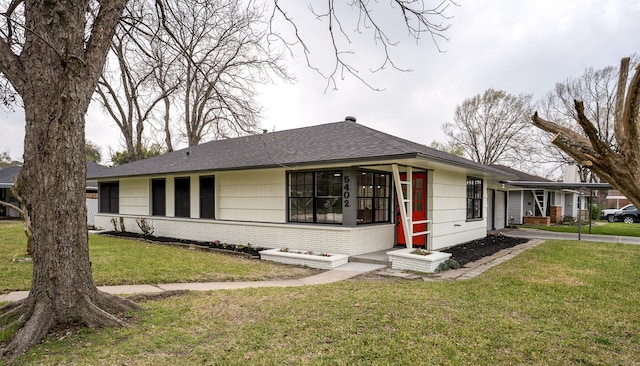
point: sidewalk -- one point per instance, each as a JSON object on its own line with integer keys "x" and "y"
{"x": 542, "y": 234}
{"x": 341, "y": 273}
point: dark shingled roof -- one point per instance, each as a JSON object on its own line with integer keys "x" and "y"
{"x": 328, "y": 143}
{"x": 521, "y": 175}
{"x": 7, "y": 174}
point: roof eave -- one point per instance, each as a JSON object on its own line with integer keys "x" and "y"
{"x": 558, "y": 185}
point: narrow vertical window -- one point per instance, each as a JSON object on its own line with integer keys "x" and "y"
{"x": 207, "y": 197}
{"x": 183, "y": 197}
{"x": 109, "y": 197}
{"x": 373, "y": 197}
{"x": 158, "y": 197}
{"x": 474, "y": 198}
{"x": 328, "y": 197}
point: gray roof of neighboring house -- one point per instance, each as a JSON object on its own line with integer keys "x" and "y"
{"x": 526, "y": 180}
{"x": 521, "y": 175}
{"x": 327, "y": 143}
{"x": 7, "y": 174}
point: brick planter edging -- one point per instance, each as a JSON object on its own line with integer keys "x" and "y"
{"x": 403, "y": 260}
{"x": 309, "y": 260}
{"x": 537, "y": 220}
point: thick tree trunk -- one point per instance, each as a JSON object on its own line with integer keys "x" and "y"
{"x": 56, "y": 92}
{"x": 53, "y": 183}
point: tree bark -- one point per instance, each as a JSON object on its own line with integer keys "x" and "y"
{"x": 56, "y": 91}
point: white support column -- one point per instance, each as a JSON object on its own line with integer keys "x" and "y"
{"x": 405, "y": 203}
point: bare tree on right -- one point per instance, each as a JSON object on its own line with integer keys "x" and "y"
{"x": 616, "y": 161}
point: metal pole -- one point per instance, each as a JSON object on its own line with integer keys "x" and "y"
{"x": 590, "y": 208}
{"x": 580, "y": 215}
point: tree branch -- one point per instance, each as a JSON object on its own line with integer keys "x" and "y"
{"x": 12, "y": 67}
{"x": 104, "y": 28}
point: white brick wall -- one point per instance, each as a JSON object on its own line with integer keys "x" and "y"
{"x": 403, "y": 260}
{"x": 320, "y": 238}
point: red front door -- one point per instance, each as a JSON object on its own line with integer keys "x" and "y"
{"x": 419, "y": 211}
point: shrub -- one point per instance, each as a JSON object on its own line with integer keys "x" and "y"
{"x": 145, "y": 226}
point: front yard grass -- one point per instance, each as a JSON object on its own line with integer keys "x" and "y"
{"x": 121, "y": 261}
{"x": 562, "y": 303}
{"x": 606, "y": 228}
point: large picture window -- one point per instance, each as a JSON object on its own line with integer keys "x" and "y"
{"x": 207, "y": 197}
{"x": 183, "y": 197}
{"x": 374, "y": 197}
{"x": 109, "y": 197}
{"x": 315, "y": 197}
{"x": 158, "y": 197}
{"x": 474, "y": 198}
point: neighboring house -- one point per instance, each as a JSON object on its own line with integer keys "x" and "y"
{"x": 614, "y": 199}
{"x": 536, "y": 200}
{"x": 6, "y": 182}
{"x": 8, "y": 174}
{"x": 329, "y": 188}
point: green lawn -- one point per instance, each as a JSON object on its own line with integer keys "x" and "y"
{"x": 561, "y": 303}
{"x": 614, "y": 228}
{"x": 120, "y": 261}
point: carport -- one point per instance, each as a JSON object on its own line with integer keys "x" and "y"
{"x": 583, "y": 189}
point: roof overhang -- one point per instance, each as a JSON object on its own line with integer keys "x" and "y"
{"x": 577, "y": 186}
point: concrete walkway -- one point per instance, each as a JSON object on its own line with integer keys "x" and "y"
{"x": 341, "y": 273}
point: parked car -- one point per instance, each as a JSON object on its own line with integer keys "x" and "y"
{"x": 628, "y": 214}
{"x": 608, "y": 214}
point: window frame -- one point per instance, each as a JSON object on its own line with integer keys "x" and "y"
{"x": 318, "y": 197}
{"x": 182, "y": 197}
{"x": 206, "y": 201}
{"x": 372, "y": 195}
{"x": 475, "y": 196}
{"x": 159, "y": 210}
{"x": 106, "y": 195}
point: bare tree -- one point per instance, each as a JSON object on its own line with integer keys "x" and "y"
{"x": 127, "y": 88}
{"x": 6, "y": 160}
{"x": 492, "y": 127}
{"x": 617, "y": 161}
{"x": 596, "y": 88}
{"x": 53, "y": 53}
{"x": 453, "y": 149}
{"x": 222, "y": 53}
{"x": 420, "y": 19}
{"x": 93, "y": 152}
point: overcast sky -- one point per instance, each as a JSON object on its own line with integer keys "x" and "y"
{"x": 515, "y": 45}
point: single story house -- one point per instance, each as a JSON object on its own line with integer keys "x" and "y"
{"x": 535, "y": 203}
{"x": 539, "y": 201}
{"x": 339, "y": 187}
{"x": 6, "y": 182}
{"x": 7, "y": 175}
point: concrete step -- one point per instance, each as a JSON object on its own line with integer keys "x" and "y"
{"x": 379, "y": 257}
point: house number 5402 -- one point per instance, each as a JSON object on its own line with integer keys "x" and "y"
{"x": 345, "y": 191}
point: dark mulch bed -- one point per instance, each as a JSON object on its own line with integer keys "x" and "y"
{"x": 473, "y": 250}
{"x": 215, "y": 245}
{"x": 463, "y": 253}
